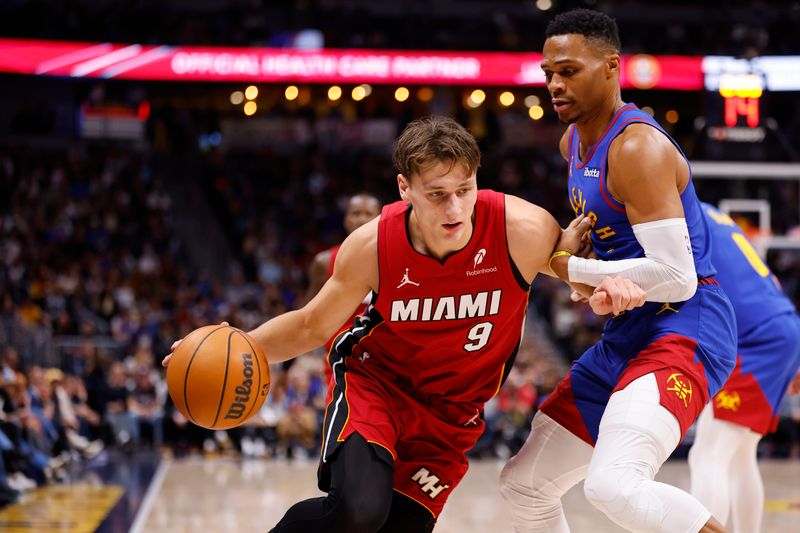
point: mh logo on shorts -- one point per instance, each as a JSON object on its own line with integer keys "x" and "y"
{"x": 428, "y": 483}
{"x": 681, "y": 386}
{"x": 728, "y": 400}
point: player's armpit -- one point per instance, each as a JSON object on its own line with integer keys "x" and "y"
{"x": 647, "y": 174}
{"x": 532, "y": 234}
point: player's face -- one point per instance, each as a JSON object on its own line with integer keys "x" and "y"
{"x": 360, "y": 210}
{"x": 580, "y": 77}
{"x": 443, "y": 200}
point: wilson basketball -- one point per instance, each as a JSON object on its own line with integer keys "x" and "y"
{"x": 218, "y": 377}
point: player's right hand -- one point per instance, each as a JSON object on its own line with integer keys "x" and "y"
{"x": 615, "y": 295}
{"x": 166, "y": 360}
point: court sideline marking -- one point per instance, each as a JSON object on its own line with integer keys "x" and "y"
{"x": 150, "y": 497}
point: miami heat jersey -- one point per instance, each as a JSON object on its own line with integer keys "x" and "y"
{"x": 612, "y": 234}
{"x": 449, "y": 329}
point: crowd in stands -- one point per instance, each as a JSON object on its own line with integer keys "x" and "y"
{"x": 745, "y": 28}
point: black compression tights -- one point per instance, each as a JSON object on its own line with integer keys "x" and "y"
{"x": 360, "y": 499}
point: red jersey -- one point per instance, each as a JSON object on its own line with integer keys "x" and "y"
{"x": 449, "y": 329}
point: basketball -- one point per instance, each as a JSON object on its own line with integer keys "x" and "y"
{"x": 218, "y": 377}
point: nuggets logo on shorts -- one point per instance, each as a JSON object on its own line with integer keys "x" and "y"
{"x": 728, "y": 400}
{"x": 681, "y": 386}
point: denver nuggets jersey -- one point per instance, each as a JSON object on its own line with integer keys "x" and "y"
{"x": 612, "y": 234}
{"x": 744, "y": 276}
{"x": 449, "y": 329}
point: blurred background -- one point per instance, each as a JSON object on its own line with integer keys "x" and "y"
{"x": 166, "y": 165}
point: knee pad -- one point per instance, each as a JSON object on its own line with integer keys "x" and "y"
{"x": 617, "y": 493}
{"x": 602, "y": 489}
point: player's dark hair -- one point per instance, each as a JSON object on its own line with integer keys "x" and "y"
{"x": 593, "y": 25}
{"x": 429, "y": 140}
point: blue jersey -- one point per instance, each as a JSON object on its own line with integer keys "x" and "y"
{"x": 612, "y": 234}
{"x": 690, "y": 346}
{"x": 746, "y": 280}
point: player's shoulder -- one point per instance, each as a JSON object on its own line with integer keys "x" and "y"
{"x": 640, "y": 141}
{"x": 358, "y": 254}
{"x": 362, "y": 242}
{"x": 640, "y": 137}
{"x": 531, "y": 233}
{"x": 528, "y": 223}
{"x": 520, "y": 209}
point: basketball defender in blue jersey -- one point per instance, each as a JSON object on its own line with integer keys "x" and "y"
{"x": 723, "y": 461}
{"x": 629, "y": 399}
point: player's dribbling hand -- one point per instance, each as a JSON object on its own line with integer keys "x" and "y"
{"x": 615, "y": 295}
{"x": 165, "y": 361}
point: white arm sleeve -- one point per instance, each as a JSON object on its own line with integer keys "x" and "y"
{"x": 666, "y": 272}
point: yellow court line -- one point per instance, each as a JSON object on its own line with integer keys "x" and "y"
{"x": 61, "y": 509}
{"x": 783, "y": 506}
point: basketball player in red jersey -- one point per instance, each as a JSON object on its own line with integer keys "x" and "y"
{"x": 451, "y": 267}
{"x": 361, "y": 208}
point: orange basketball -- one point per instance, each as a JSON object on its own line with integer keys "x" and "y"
{"x": 218, "y": 377}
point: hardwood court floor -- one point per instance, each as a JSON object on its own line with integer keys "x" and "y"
{"x": 210, "y": 495}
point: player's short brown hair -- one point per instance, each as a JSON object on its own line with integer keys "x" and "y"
{"x": 429, "y": 140}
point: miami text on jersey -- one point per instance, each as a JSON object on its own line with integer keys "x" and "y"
{"x": 447, "y": 307}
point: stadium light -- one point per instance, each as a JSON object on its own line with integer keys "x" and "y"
{"x": 291, "y": 92}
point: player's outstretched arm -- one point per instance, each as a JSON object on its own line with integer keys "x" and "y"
{"x": 647, "y": 174}
{"x": 532, "y": 233}
{"x": 532, "y": 237}
{"x": 355, "y": 273}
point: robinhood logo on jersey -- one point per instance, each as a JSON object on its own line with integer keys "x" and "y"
{"x": 477, "y": 261}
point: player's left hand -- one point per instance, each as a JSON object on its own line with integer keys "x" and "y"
{"x": 576, "y": 236}
{"x": 615, "y": 295}
{"x": 168, "y": 358}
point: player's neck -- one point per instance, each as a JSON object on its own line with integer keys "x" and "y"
{"x": 437, "y": 248}
{"x": 596, "y": 123}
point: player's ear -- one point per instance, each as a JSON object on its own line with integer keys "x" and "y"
{"x": 612, "y": 64}
{"x": 402, "y": 185}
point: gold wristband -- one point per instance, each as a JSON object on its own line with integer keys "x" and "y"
{"x": 558, "y": 253}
